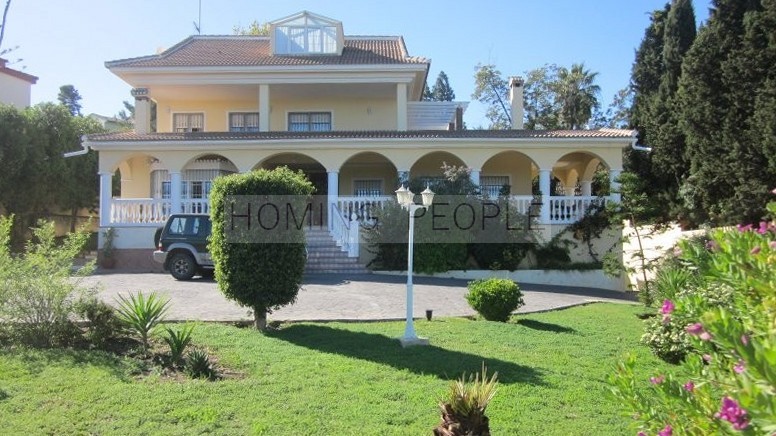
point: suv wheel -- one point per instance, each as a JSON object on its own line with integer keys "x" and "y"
{"x": 182, "y": 266}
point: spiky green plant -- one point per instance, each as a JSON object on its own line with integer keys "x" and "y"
{"x": 463, "y": 410}
{"x": 141, "y": 315}
{"x": 198, "y": 365}
{"x": 178, "y": 340}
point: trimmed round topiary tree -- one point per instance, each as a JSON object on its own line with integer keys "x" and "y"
{"x": 259, "y": 266}
{"x": 494, "y": 299}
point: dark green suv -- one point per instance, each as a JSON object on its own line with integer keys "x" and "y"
{"x": 182, "y": 246}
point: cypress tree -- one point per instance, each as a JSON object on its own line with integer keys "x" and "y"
{"x": 670, "y": 165}
{"x": 724, "y": 81}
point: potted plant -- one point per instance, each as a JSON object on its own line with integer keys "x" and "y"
{"x": 108, "y": 259}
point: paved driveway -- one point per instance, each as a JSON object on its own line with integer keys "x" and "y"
{"x": 337, "y": 297}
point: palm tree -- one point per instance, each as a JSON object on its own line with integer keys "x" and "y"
{"x": 578, "y": 95}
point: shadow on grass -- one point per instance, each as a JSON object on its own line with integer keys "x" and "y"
{"x": 545, "y": 326}
{"x": 427, "y": 360}
{"x": 36, "y": 360}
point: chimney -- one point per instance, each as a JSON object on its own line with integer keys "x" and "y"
{"x": 516, "y": 100}
{"x": 142, "y": 111}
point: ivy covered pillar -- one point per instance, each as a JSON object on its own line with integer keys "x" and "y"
{"x": 614, "y": 185}
{"x": 474, "y": 176}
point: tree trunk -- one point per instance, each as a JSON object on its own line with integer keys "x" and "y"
{"x": 260, "y": 318}
{"x": 73, "y": 219}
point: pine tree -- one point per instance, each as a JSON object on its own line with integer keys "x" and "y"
{"x": 442, "y": 90}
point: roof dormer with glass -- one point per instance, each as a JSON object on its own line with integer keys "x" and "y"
{"x": 306, "y": 33}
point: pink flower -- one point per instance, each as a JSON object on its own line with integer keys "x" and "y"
{"x": 689, "y": 386}
{"x": 755, "y": 250}
{"x": 657, "y": 380}
{"x": 707, "y": 358}
{"x": 667, "y": 431}
{"x": 697, "y": 330}
{"x": 745, "y": 228}
{"x": 772, "y": 244}
{"x": 641, "y": 433}
{"x": 668, "y": 307}
{"x": 763, "y": 227}
{"x": 745, "y": 339}
{"x": 733, "y": 413}
{"x": 739, "y": 367}
{"x": 774, "y": 191}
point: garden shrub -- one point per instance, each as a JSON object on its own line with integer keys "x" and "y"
{"x": 103, "y": 324}
{"x": 494, "y": 299}
{"x": 38, "y": 290}
{"x": 728, "y": 383}
{"x": 263, "y": 275}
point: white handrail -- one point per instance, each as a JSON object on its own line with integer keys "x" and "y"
{"x": 362, "y": 207}
{"x": 344, "y": 231}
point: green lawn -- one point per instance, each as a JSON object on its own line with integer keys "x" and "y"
{"x": 339, "y": 378}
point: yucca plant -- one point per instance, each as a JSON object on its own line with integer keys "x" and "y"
{"x": 178, "y": 340}
{"x": 463, "y": 411}
{"x": 198, "y": 365}
{"x": 141, "y": 315}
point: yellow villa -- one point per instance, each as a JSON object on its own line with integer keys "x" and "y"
{"x": 347, "y": 110}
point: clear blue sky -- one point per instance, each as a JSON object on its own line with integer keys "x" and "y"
{"x": 67, "y": 42}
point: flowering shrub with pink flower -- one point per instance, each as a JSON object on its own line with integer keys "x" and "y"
{"x": 726, "y": 383}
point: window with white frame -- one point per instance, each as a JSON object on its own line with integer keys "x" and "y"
{"x": 306, "y": 38}
{"x": 309, "y": 121}
{"x": 368, "y": 188}
{"x": 493, "y": 186}
{"x": 244, "y": 122}
{"x": 190, "y": 122}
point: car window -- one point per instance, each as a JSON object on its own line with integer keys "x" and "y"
{"x": 178, "y": 226}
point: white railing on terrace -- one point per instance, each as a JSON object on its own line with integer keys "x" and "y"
{"x": 152, "y": 212}
{"x": 344, "y": 231}
{"x": 199, "y": 205}
{"x": 139, "y": 211}
{"x": 570, "y": 209}
{"x": 362, "y": 207}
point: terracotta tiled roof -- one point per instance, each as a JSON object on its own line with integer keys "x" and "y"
{"x": 413, "y": 134}
{"x": 18, "y": 74}
{"x": 247, "y": 51}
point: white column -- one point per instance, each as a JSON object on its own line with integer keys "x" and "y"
{"x": 570, "y": 191}
{"x": 401, "y": 106}
{"x": 587, "y": 187}
{"x": 175, "y": 191}
{"x": 614, "y": 186}
{"x": 106, "y": 197}
{"x": 474, "y": 176}
{"x": 264, "y": 108}
{"x": 333, "y": 194}
{"x": 544, "y": 187}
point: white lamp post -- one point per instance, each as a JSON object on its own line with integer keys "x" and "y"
{"x": 406, "y": 199}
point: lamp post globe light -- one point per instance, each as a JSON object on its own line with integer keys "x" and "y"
{"x": 406, "y": 199}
